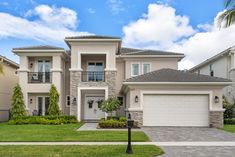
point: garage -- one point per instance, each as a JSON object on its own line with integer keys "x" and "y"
{"x": 175, "y": 110}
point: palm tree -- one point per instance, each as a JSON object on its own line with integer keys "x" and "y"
{"x": 229, "y": 15}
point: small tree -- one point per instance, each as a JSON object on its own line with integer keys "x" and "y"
{"x": 53, "y": 108}
{"x": 17, "y": 106}
{"x": 228, "y": 113}
{"x": 110, "y": 105}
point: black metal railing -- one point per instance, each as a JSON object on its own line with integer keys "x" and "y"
{"x": 93, "y": 76}
{"x": 39, "y": 77}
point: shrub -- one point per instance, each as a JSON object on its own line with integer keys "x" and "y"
{"x": 110, "y": 105}
{"x": 53, "y": 120}
{"x": 228, "y": 113}
{"x": 118, "y": 122}
{"x": 18, "y": 106}
{"x": 229, "y": 121}
{"x": 53, "y": 108}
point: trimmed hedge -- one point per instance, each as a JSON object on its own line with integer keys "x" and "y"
{"x": 116, "y": 122}
{"x": 229, "y": 121}
{"x": 53, "y": 120}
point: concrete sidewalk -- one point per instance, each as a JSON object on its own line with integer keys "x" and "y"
{"x": 196, "y": 144}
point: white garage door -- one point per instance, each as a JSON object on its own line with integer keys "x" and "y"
{"x": 175, "y": 110}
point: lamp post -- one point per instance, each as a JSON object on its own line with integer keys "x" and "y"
{"x": 130, "y": 123}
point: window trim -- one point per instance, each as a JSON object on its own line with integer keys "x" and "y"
{"x": 143, "y": 67}
{"x": 132, "y": 75}
{"x": 123, "y": 103}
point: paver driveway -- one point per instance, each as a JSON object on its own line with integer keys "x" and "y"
{"x": 166, "y": 134}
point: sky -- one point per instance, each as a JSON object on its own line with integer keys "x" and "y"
{"x": 183, "y": 26}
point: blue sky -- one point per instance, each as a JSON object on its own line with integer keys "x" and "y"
{"x": 108, "y": 17}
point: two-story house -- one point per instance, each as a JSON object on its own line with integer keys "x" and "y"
{"x": 8, "y": 81}
{"x": 95, "y": 68}
{"x": 221, "y": 65}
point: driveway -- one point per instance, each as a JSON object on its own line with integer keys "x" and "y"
{"x": 191, "y": 134}
{"x": 166, "y": 134}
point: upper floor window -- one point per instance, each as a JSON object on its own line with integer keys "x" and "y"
{"x": 146, "y": 68}
{"x": 135, "y": 69}
{"x": 211, "y": 70}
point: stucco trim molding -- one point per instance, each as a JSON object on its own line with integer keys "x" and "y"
{"x": 73, "y": 69}
{"x": 178, "y": 83}
{"x": 134, "y": 109}
{"x": 23, "y": 70}
{"x": 56, "y": 70}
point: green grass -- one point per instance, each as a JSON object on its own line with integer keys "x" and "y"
{"x": 67, "y": 132}
{"x": 229, "y": 128}
{"x": 81, "y": 151}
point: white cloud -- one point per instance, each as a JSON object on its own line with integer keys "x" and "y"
{"x": 116, "y": 6}
{"x": 162, "y": 29}
{"x": 50, "y": 23}
{"x": 91, "y": 11}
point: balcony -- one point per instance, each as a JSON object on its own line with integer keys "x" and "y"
{"x": 39, "y": 77}
{"x": 93, "y": 76}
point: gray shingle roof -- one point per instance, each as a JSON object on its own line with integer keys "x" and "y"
{"x": 93, "y": 37}
{"x": 39, "y": 47}
{"x": 170, "y": 75}
{"x": 132, "y": 51}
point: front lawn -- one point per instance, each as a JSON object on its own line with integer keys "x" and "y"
{"x": 66, "y": 132}
{"x": 81, "y": 151}
{"x": 229, "y": 128}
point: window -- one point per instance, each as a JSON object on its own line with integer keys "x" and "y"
{"x": 146, "y": 68}
{"x": 68, "y": 100}
{"x": 95, "y": 71}
{"x": 135, "y": 69}
{"x": 120, "y": 98}
{"x": 211, "y": 70}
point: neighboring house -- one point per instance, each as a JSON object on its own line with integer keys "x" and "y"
{"x": 8, "y": 81}
{"x": 221, "y": 65}
{"x": 147, "y": 83}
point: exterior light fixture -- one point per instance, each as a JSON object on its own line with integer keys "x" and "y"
{"x": 216, "y": 99}
{"x": 31, "y": 101}
{"x": 31, "y": 65}
{"x": 74, "y": 101}
{"x": 136, "y": 98}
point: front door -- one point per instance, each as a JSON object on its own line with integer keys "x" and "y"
{"x": 42, "y": 104}
{"x": 92, "y": 108}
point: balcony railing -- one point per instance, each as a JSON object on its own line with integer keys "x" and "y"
{"x": 93, "y": 76}
{"x": 39, "y": 77}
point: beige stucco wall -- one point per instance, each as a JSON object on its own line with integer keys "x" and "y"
{"x": 107, "y": 48}
{"x": 8, "y": 81}
{"x": 57, "y": 73}
{"x": 155, "y": 64}
{"x": 136, "y": 91}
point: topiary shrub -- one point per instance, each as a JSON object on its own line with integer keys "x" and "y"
{"x": 17, "y": 106}
{"x": 110, "y": 105}
{"x": 53, "y": 108}
{"x": 228, "y": 113}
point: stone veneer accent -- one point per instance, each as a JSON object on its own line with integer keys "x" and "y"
{"x": 217, "y": 119}
{"x": 137, "y": 116}
{"x": 76, "y": 81}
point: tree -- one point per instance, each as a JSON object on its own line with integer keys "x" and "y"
{"x": 228, "y": 17}
{"x": 18, "y": 106}
{"x": 53, "y": 108}
{"x": 228, "y": 113}
{"x": 110, "y": 105}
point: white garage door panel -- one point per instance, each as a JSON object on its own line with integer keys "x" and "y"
{"x": 175, "y": 110}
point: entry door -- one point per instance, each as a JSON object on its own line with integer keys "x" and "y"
{"x": 43, "y": 104}
{"x": 92, "y": 108}
{"x": 44, "y": 67}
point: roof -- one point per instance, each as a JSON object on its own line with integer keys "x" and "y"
{"x": 221, "y": 54}
{"x": 39, "y": 47}
{"x": 92, "y": 37}
{"x": 4, "y": 59}
{"x": 171, "y": 75}
{"x": 133, "y": 51}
